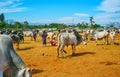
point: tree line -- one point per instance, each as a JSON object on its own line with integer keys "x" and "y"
{"x": 11, "y": 24}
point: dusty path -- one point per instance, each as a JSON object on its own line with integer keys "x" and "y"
{"x": 90, "y": 60}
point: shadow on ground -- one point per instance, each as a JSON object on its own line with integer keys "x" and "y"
{"x": 110, "y": 63}
{"x": 22, "y": 49}
{"x": 81, "y": 54}
{"x": 35, "y": 71}
{"x": 25, "y": 43}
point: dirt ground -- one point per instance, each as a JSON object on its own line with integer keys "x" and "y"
{"x": 89, "y": 61}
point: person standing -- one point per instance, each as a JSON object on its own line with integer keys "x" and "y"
{"x": 44, "y": 36}
{"x": 34, "y": 35}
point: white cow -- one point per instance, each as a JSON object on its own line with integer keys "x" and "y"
{"x": 10, "y": 62}
{"x": 28, "y": 34}
{"x": 73, "y": 39}
{"x": 112, "y": 36}
{"x": 98, "y": 35}
{"x": 51, "y": 35}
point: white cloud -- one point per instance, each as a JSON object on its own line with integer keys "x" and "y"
{"x": 12, "y": 10}
{"x": 105, "y": 18}
{"x": 80, "y": 14}
{"x": 66, "y": 20}
{"x": 11, "y": 6}
{"x": 2, "y": 4}
{"x": 110, "y": 12}
{"x": 109, "y": 6}
{"x": 8, "y": 2}
{"x": 74, "y": 19}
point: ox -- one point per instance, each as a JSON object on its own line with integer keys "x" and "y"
{"x": 51, "y": 35}
{"x": 73, "y": 39}
{"x": 10, "y": 62}
{"x": 16, "y": 39}
{"x": 112, "y": 36}
{"x": 28, "y": 34}
{"x": 98, "y": 35}
{"x": 21, "y": 36}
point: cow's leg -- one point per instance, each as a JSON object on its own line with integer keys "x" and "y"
{"x": 73, "y": 49}
{"x": 31, "y": 38}
{"x": 106, "y": 40}
{"x": 62, "y": 50}
{"x": 112, "y": 40}
{"x": 23, "y": 39}
{"x": 96, "y": 41}
{"x": 58, "y": 47}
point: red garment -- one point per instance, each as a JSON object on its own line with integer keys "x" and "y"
{"x": 53, "y": 42}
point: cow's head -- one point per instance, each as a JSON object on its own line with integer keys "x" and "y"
{"x": 26, "y": 72}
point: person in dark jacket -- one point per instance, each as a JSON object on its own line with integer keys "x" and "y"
{"x": 44, "y": 36}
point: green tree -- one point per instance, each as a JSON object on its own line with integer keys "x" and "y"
{"x": 2, "y": 21}
{"x": 25, "y": 25}
{"x": 82, "y": 25}
{"x": 17, "y": 24}
{"x": 61, "y": 26}
{"x": 10, "y": 23}
{"x": 91, "y": 22}
{"x": 2, "y": 24}
{"x": 79, "y": 25}
{"x": 2, "y": 17}
{"x": 95, "y": 26}
{"x": 57, "y": 25}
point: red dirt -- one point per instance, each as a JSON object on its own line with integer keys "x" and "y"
{"x": 90, "y": 60}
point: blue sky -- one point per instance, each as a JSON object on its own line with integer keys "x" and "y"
{"x": 61, "y": 11}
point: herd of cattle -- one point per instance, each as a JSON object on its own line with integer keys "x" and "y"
{"x": 10, "y": 61}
